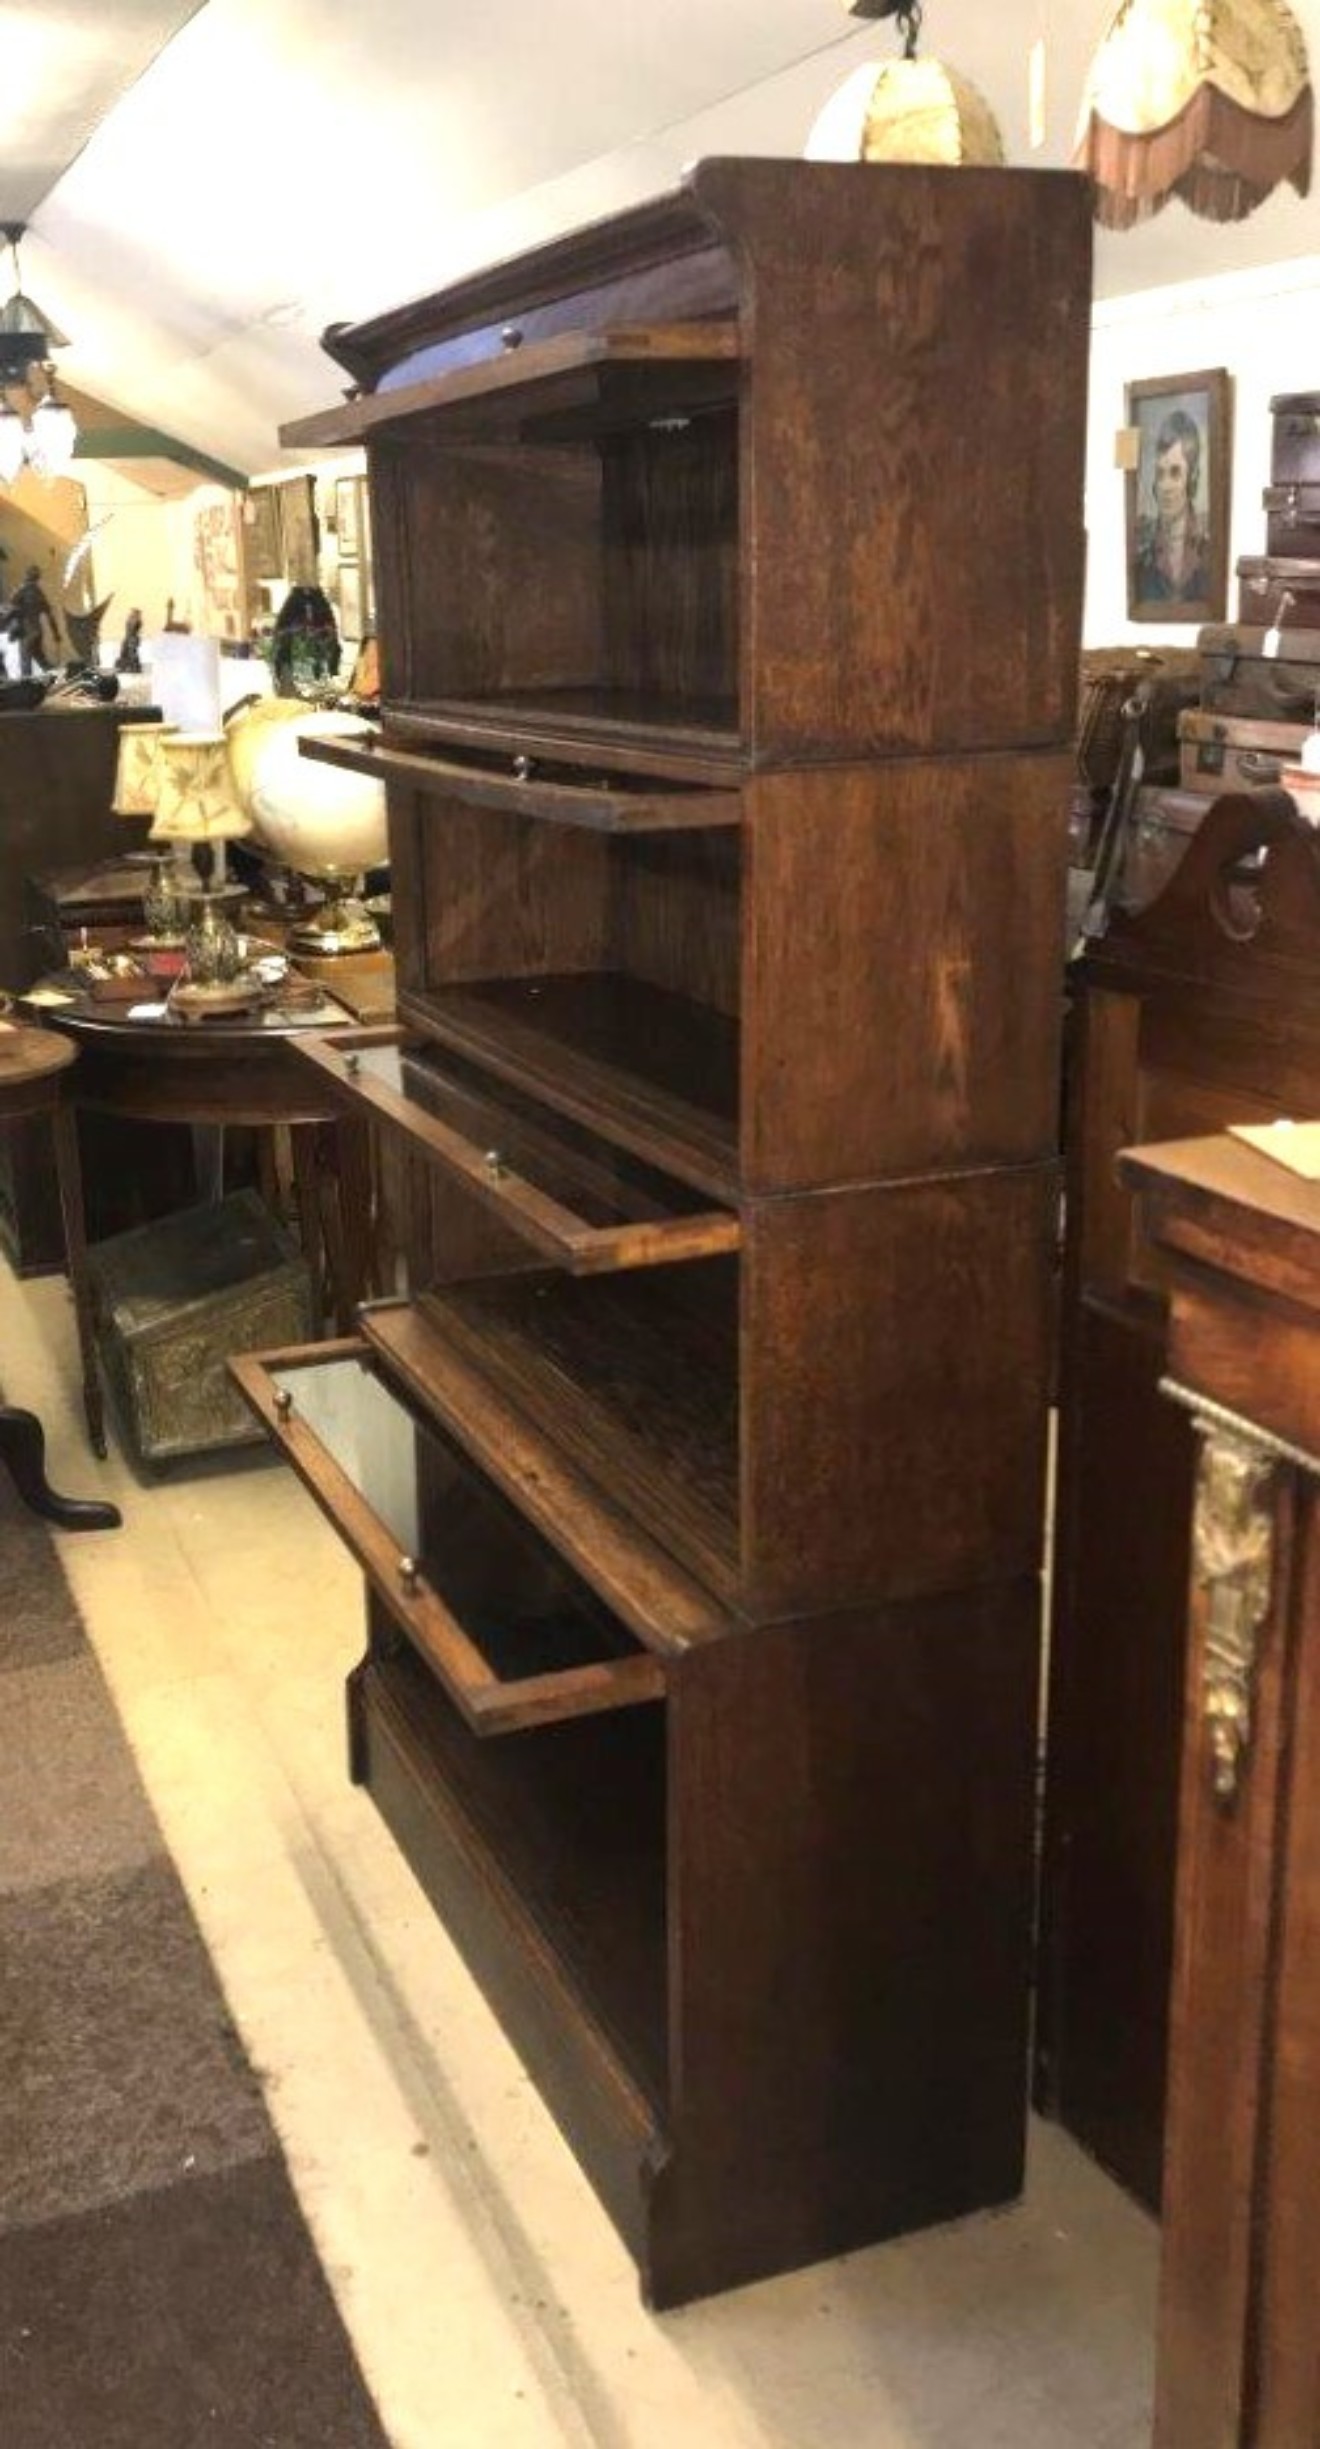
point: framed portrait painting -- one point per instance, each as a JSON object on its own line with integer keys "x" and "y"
{"x": 1178, "y": 497}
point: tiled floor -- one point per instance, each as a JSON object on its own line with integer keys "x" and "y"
{"x": 488, "y": 2299}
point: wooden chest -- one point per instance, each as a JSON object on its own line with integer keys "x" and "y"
{"x": 1269, "y": 676}
{"x": 1278, "y": 587}
{"x": 1233, "y": 752}
{"x": 174, "y": 1299}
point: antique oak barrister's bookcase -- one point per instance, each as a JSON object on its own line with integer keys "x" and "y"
{"x": 729, "y": 561}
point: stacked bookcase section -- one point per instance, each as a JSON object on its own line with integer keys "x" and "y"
{"x": 729, "y": 581}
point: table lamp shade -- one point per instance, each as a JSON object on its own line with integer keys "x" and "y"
{"x": 136, "y": 768}
{"x": 195, "y": 799}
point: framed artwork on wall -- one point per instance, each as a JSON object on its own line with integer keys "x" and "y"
{"x": 352, "y": 608}
{"x": 1178, "y": 497}
{"x": 299, "y": 531}
{"x": 265, "y": 551}
{"x": 348, "y": 517}
{"x": 219, "y": 547}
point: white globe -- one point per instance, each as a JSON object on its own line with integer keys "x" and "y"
{"x": 320, "y": 820}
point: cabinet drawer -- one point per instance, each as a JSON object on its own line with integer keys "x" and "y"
{"x": 590, "y": 1208}
{"x": 514, "y": 1636}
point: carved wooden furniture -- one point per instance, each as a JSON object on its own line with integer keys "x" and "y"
{"x": 234, "y": 1074}
{"x": 1239, "y": 1238}
{"x": 729, "y": 675}
{"x": 33, "y": 1076}
{"x": 57, "y": 770}
{"x": 1200, "y": 1011}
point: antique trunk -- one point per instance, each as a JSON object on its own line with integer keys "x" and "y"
{"x": 1279, "y": 587}
{"x": 1292, "y": 496}
{"x": 1234, "y": 752}
{"x": 1271, "y": 675}
{"x": 1164, "y": 821}
{"x": 174, "y": 1299}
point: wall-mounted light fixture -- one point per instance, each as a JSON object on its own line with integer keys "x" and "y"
{"x": 37, "y": 428}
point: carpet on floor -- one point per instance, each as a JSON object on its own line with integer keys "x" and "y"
{"x": 158, "y": 2285}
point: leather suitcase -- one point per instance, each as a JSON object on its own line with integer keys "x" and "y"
{"x": 1292, "y": 496}
{"x": 1162, "y": 826}
{"x": 1271, "y": 676}
{"x": 1231, "y": 752}
{"x": 1272, "y": 586}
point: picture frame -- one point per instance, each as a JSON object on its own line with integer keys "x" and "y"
{"x": 265, "y": 549}
{"x": 352, "y": 604}
{"x": 348, "y": 518}
{"x": 1178, "y": 496}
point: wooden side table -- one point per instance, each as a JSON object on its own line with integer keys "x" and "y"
{"x": 32, "y": 1079}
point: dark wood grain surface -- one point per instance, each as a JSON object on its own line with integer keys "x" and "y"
{"x": 781, "y": 566}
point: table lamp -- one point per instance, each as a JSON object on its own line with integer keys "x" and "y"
{"x": 135, "y": 790}
{"x": 195, "y": 804}
{"x": 326, "y": 823}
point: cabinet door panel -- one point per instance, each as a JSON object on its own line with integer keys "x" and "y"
{"x": 511, "y": 1634}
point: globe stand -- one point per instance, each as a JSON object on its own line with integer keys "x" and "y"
{"x": 341, "y": 924}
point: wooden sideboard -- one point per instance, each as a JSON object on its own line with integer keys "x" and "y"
{"x": 1200, "y": 1010}
{"x": 1238, "y": 2364}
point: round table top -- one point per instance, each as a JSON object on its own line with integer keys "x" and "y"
{"x": 258, "y": 1031}
{"x": 29, "y": 1055}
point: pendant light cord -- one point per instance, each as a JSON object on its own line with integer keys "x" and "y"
{"x": 909, "y": 26}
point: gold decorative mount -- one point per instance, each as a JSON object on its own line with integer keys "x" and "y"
{"x": 1232, "y": 1570}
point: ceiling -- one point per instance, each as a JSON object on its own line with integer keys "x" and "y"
{"x": 207, "y": 187}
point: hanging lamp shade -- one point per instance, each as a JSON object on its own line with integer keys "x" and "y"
{"x": 905, "y": 110}
{"x": 1209, "y": 100}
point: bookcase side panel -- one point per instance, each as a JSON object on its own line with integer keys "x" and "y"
{"x": 896, "y": 1349}
{"x": 850, "y": 1851}
{"x": 912, "y": 562}
{"x": 903, "y": 968}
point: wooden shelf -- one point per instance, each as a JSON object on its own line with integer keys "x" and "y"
{"x": 632, "y": 1379}
{"x": 602, "y": 803}
{"x": 570, "y": 1833}
{"x": 564, "y": 373}
{"x": 449, "y": 1374}
{"x": 614, "y": 1053}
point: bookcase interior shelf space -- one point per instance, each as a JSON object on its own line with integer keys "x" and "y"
{"x": 727, "y": 746}
{"x": 573, "y": 1827}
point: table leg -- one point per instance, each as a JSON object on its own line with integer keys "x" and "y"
{"x": 23, "y": 1449}
{"x": 334, "y": 1194}
{"x": 208, "y": 1139}
{"x": 68, "y": 1168}
{"x": 307, "y": 1200}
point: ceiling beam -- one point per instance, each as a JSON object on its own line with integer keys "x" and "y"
{"x": 148, "y": 442}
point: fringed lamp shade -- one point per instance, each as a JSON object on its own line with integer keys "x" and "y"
{"x": 1209, "y": 100}
{"x": 907, "y": 110}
